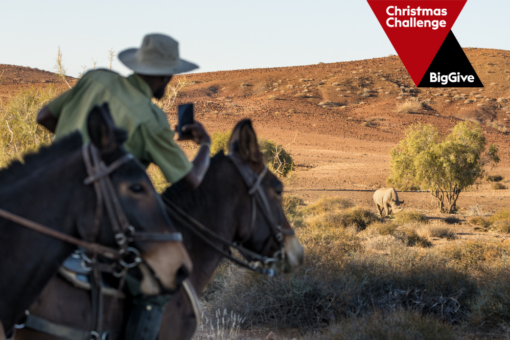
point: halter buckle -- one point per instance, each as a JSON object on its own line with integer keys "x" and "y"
{"x": 121, "y": 239}
{"x": 279, "y": 237}
{"x": 130, "y": 258}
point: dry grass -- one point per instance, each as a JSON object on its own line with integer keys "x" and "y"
{"x": 384, "y": 228}
{"x": 480, "y": 221}
{"x": 19, "y": 131}
{"x": 219, "y": 326}
{"x": 405, "y": 217}
{"x": 438, "y": 230}
{"x": 399, "y": 324}
{"x": 357, "y": 217}
{"x": 383, "y": 242}
{"x": 498, "y": 126}
{"x": 498, "y": 186}
{"x": 411, "y": 238}
{"x": 409, "y": 106}
{"x": 501, "y": 226}
{"x": 384, "y": 282}
{"x": 328, "y": 204}
{"x": 494, "y": 178}
{"x": 291, "y": 207}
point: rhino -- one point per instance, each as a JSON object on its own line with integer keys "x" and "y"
{"x": 387, "y": 199}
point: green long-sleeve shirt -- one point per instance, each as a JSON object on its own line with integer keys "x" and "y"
{"x": 150, "y": 138}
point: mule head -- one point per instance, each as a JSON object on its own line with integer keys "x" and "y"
{"x": 165, "y": 264}
{"x": 260, "y": 235}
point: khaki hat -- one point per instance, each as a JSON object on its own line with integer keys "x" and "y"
{"x": 158, "y": 56}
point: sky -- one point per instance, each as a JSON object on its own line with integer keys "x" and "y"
{"x": 221, "y": 34}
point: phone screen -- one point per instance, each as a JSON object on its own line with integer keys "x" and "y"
{"x": 185, "y": 116}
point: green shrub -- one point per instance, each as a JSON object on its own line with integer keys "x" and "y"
{"x": 19, "y": 131}
{"x": 327, "y": 204}
{"x": 405, "y": 217}
{"x": 277, "y": 159}
{"x": 157, "y": 178}
{"x": 444, "y": 165}
{"x": 219, "y": 141}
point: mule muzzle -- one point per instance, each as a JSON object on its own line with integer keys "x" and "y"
{"x": 169, "y": 265}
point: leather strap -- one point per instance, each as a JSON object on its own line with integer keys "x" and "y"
{"x": 94, "y": 248}
{"x": 64, "y": 332}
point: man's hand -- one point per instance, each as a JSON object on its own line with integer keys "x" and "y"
{"x": 198, "y": 133}
{"x": 201, "y": 161}
{"x": 46, "y": 119}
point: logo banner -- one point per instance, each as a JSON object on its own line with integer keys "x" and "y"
{"x": 420, "y": 31}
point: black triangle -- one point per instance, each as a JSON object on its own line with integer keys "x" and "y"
{"x": 450, "y": 59}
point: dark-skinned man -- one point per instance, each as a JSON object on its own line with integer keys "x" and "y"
{"x": 150, "y": 138}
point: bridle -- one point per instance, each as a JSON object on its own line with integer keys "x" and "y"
{"x": 258, "y": 200}
{"x": 124, "y": 255}
{"x": 124, "y": 234}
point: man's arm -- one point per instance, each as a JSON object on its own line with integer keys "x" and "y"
{"x": 201, "y": 161}
{"x": 46, "y": 119}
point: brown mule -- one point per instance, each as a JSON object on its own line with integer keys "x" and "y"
{"x": 49, "y": 189}
{"x": 223, "y": 204}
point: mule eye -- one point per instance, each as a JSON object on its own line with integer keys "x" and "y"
{"x": 136, "y": 188}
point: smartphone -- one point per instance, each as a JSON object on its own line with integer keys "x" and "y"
{"x": 185, "y": 117}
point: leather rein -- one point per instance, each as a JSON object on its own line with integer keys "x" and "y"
{"x": 259, "y": 200}
{"x": 98, "y": 175}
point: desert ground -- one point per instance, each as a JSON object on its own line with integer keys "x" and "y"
{"x": 339, "y": 122}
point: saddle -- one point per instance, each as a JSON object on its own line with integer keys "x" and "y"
{"x": 75, "y": 273}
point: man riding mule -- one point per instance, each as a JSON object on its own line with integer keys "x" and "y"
{"x": 238, "y": 206}
{"x": 149, "y": 138}
{"x": 73, "y": 194}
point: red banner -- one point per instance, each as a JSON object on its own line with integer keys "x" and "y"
{"x": 417, "y": 29}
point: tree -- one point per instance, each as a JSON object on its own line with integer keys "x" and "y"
{"x": 444, "y": 165}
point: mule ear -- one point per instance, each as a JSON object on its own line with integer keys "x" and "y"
{"x": 101, "y": 129}
{"x": 243, "y": 142}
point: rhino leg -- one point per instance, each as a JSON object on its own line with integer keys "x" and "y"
{"x": 379, "y": 209}
{"x": 387, "y": 209}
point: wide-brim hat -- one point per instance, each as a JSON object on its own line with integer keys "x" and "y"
{"x": 158, "y": 56}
